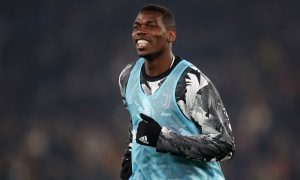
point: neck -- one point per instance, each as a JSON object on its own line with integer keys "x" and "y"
{"x": 158, "y": 65}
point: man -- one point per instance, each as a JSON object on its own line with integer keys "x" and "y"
{"x": 179, "y": 127}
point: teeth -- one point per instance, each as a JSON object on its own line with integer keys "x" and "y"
{"x": 142, "y": 41}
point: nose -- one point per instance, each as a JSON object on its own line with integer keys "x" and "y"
{"x": 140, "y": 30}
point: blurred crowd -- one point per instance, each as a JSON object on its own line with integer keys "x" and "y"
{"x": 61, "y": 113}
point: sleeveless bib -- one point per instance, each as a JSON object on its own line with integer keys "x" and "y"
{"x": 162, "y": 107}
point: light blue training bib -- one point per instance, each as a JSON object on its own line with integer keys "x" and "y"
{"x": 161, "y": 106}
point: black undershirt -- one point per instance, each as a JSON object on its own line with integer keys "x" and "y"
{"x": 145, "y": 77}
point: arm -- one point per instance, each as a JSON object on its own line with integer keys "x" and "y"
{"x": 126, "y": 170}
{"x": 203, "y": 105}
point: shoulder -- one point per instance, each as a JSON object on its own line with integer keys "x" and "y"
{"x": 192, "y": 79}
{"x": 190, "y": 86}
{"x": 195, "y": 85}
{"x": 124, "y": 76}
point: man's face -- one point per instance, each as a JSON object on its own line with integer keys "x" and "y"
{"x": 150, "y": 34}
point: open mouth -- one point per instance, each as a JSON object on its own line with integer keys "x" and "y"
{"x": 141, "y": 43}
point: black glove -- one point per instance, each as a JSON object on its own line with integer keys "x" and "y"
{"x": 148, "y": 131}
{"x": 126, "y": 170}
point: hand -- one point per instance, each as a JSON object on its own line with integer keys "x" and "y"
{"x": 126, "y": 170}
{"x": 148, "y": 131}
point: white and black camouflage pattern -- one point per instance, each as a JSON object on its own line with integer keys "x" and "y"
{"x": 200, "y": 102}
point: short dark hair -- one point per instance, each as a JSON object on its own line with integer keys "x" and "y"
{"x": 167, "y": 16}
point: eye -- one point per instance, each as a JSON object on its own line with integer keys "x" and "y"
{"x": 135, "y": 26}
{"x": 152, "y": 26}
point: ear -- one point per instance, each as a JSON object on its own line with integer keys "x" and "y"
{"x": 171, "y": 35}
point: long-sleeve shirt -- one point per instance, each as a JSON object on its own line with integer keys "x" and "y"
{"x": 199, "y": 101}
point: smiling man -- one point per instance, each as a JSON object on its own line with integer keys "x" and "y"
{"x": 179, "y": 128}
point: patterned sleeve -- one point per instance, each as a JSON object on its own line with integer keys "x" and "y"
{"x": 200, "y": 102}
{"x": 123, "y": 80}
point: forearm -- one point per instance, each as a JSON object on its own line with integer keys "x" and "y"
{"x": 126, "y": 170}
{"x": 201, "y": 147}
{"x": 127, "y": 153}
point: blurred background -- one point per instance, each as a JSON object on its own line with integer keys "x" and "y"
{"x": 61, "y": 113}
